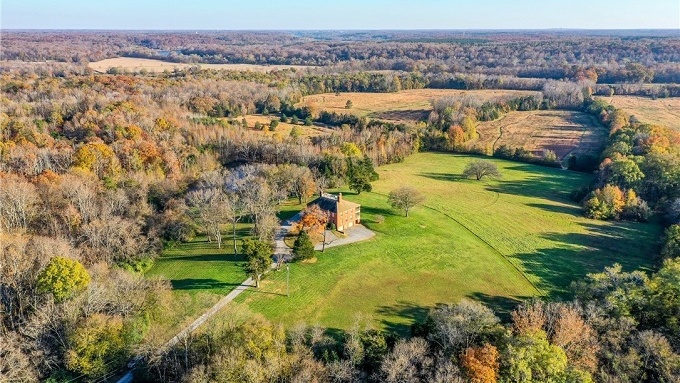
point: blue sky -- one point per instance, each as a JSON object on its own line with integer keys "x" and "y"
{"x": 344, "y": 14}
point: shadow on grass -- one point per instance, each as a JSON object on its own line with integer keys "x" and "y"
{"x": 501, "y": 306}
{"x": 205, "y": 258}
{"x": 563, "y": 209}
{"x": 410, "y": 311}
{"x": 542, "y": 182}
{"x": 575, "y": 255}
{"x": 444, "y": 176}
{"x": 376, "y": 210}
{"x": 200, "y": 284}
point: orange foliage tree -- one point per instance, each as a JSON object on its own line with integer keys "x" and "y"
{"x": 481, "y": 363}
{"x": 313, "y": 219}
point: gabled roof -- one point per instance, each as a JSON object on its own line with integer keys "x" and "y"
{"x": 325, "y": 204}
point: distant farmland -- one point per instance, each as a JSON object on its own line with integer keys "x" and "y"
{"x": 136, "y": 64}
{"x": 407, "y": 105}
{"x": 283, "y": 129}
{"x": 662, "y": 111}
{"x": 562, "y": 131}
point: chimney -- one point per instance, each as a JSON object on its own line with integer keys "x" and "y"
{"x": 339, "y": 197}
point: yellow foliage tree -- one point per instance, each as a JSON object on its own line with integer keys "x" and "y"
{"x": 63, "y": 277}
{"x": 96, "y": 346}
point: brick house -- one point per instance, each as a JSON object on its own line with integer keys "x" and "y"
{"x": 342, "y": 213}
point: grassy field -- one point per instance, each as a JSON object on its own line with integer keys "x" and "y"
{"x": 407, "y": 105}
{"x": 662, "y": 111}
{"x": 494, "y": 241}
{"x": 562, "y": 131}
{"x": 136, "y": 64}
{"x": 283, "y": 129}
{"x": 200, "y": 274}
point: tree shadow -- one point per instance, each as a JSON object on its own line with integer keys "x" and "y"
{"x": 411, "y": 312}
{"x": 200, "y": 284}
{"x": 205, "y": 257}
{"x": 548, "y": 184}
{"x": 444, "y": 176}
{"x": 575, "y": 255}
{"x": 376, "y": 210}
{"x": 501, "y": 306}
{"x": 562, "y": 209}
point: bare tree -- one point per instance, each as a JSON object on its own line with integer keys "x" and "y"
{"x": 480, "y": 169}
{"x": 18, "y": 203}
{"x": 303, "y": 185}
{"x": 405, "y": 197}
{"x": 459, "y": 326}
{"x": 210, "y": 210}
{"x": 233, "y": 210}
{"x": 409, "y": 362}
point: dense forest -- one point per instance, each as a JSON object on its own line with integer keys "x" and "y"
{"x": 99, "y": 172}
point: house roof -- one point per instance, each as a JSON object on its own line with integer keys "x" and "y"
{"x": 333, "y": 203}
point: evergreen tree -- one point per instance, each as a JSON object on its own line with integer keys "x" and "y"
{"x": 258, "y": 258}
{"x": 303, "y": 248}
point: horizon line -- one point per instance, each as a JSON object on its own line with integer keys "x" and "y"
{"x": 344, "y": 29}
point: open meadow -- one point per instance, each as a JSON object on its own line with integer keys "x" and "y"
{"x": 493, "y": 241}
{"x": 662, "y": 111}
{"x": 564, "y": 132}
{"x": 284, "y": 128}
{"x": 133, "y": 64}
{"x": 406, "y": 105}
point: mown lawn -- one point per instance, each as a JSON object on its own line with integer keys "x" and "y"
{"x": 495, "y": 241}
{"x": 200, "y": 274}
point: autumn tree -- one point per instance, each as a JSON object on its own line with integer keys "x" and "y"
{"x": 405, "y": 197}
{"x": 480, "y": 169}
{"x": 98, "y": 158}
{"x": 481, "y": 364}
{"x": 350, "y": 149}
{"x": 96, "y": 346}
{"x": 312, "y": 219}
{"x": 531, "y": 358}
{"x": 456, "y": 136}
{"x": 63, "y": 277}
{"x": 605, "y": 203}
{"x": 258, "y": 258}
